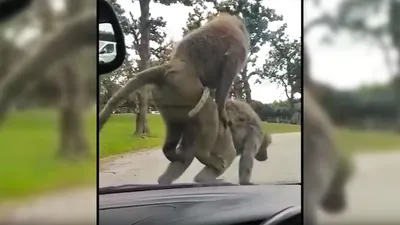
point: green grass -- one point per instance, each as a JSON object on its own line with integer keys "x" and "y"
{"x": 356, "y": 141}
{"x": 117, "y": 135}
{"x": 28, "y": 163}
{"x": 275, "y": 128}
{"x": 29, "y": 140}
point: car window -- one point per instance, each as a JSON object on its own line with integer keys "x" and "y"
{"x": 109, "y": 48}
{"x": 101, "y": 44}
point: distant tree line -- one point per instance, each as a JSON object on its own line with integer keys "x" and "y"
{"x": 366, "y": 107}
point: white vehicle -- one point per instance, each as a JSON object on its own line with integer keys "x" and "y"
{"x": 107, "y": 51}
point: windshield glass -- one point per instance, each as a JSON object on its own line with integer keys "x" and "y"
{"x": 132, "y": 140}
{"x": 101, "y": 44}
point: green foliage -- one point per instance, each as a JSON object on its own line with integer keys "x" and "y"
{"x": 197, "y": 17}
{"x": 283, "y": 65}
{"x": 116, "y": 137}
{"x": 276, "y": 111}
{"x": 123, "y": 20}
{"x": 28, "y": 163}
{"x": 131, "y": 28}
{"x": 373, "y": 105}
{"x": 170, "y": 2}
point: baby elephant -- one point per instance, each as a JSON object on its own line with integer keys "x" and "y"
{"x": 249, "y": 139}
{"x": 245, "y": 138}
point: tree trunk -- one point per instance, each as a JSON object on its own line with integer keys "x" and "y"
{"x": 394, "y": 17}
{"x": 73, "y": 143}
{"x": 247, "y": 91}
{"x": 144, "y": 53}
{"x": 237, "y": 88}
{"x": 142, "y": 128}
{"x": 291, "y": 107}
{"x": 245, "y": 86}
{"x": 396, "y": 86}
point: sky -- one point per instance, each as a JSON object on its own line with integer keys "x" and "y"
{"x": 29, "y": 34}
{"x": 348, "y": 63}
{"x": 289, "y": 9}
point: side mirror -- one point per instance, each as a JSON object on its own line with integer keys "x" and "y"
{"x": 110, "y": 31}
{"x": 102, "y": 51}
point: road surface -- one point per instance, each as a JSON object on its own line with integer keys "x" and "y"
{"x": 145, "y": 167}
{"x": 74, "y": 206}
{"x": 373, "y": 193}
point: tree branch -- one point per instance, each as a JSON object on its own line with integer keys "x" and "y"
{"x": 79, "y": 32}
{"x": 135, "y": 33}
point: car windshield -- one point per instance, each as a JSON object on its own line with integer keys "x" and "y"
{"x": 131, "y": 142}
{"x": 48, "y": 115}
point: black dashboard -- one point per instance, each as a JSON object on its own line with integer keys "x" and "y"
{"x": 275, "y": 204}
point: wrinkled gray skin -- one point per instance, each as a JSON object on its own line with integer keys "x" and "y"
{"x": 326, "y": 172}
{"x": 249, "y": 139}
{"x": 245, "y": 138}
{"x": 204, "y": 136}
{"x": 217, "y": 51}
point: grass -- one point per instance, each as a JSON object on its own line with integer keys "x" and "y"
{"x": 275, "y": 128}
{"x": 29, "y": 140}
{"x": 356, "y": 141}
{"x": 28, "y": 163}
{"x": 116, "y": 136}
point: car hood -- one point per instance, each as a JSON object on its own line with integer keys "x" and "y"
{"x": 198, "y": 205}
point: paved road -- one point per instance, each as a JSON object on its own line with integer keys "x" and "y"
{"x": 74, "y": 206}
{"x": 374, "y": 196}
{"x": 283, "y": 164}
{"x": 373, "y": 193}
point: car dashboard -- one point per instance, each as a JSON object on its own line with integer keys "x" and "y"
{"x": 208, "y": 205}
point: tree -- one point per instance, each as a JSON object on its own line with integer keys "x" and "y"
{"x": 144, "y": 30}
{"x": 257, "y": 17}
{"x": 283, "y": 67}
{"x": 353, "y": 16}
{"x": 198, "y": 17}
{"x": 72, "y": 143}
